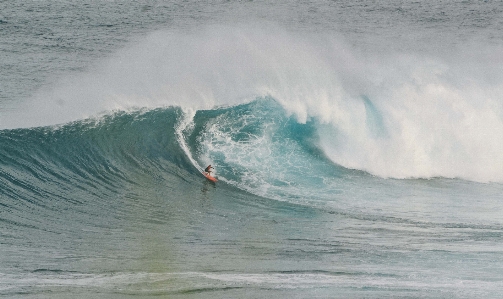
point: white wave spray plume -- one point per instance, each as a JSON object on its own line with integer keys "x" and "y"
{"x": 396, "y": 115}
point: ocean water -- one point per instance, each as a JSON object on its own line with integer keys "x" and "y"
{"x": 357, "y": 146}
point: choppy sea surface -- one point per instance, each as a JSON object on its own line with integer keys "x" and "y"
{"x": 357, "y": 146}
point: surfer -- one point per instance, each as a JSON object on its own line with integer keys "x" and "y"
{"x": 207, "y": 174}
{"x": 208, "y": 169}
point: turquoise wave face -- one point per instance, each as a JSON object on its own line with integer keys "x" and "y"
{"x": 88, "y": 160}
{"x": 259, "y": 148}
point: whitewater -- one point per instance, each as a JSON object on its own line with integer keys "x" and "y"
{"x": 357, "y": 146}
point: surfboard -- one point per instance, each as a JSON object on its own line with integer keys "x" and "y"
{"x": 209, "y": 177}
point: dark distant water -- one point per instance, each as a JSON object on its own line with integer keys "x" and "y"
{"x": 357, "y": 146}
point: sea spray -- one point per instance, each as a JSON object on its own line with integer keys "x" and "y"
{"x": 398, "y": 115}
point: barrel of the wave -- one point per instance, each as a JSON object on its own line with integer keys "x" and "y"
{"x": 207, "y": 173}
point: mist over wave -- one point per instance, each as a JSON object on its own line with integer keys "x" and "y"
{"x": 392, "y": 114}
